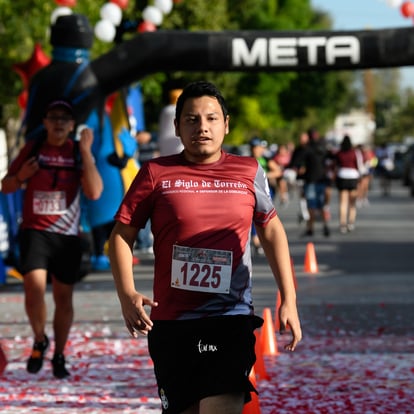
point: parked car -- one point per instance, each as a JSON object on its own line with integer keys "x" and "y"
{"x": 397, "y": 154}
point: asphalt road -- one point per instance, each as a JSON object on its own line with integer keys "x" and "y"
{"x": 369, "y": 267}
{"x": 365, "y": 280}
{"x": 374, "y": 263}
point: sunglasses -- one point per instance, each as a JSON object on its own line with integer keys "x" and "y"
{"x": 55, "y": 118}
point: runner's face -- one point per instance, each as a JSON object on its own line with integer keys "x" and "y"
{"x": 59, "y": 124}
{"x": 202, "y": 129}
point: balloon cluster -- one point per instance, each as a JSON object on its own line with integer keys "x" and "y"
{"x": 111, "y": 16}
{"x": 406, "y": 7}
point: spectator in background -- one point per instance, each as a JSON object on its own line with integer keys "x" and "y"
{"x": 258, "y": 149}
{"x": 297, "y": 165}
{"x": 348, "y": 164}
{"x": 147, "y": 150}
{"x": 282, "y": 159}
{"x": 316, "y": 182}
{"x": 168, "y": 142}
{"x": 147, "y": 147}
{"x": 384, "y": 168}
{"x": 367, "y": 173}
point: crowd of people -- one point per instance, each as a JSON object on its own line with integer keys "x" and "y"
{"x": 312, "y": 169}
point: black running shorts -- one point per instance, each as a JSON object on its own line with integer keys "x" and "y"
{"x": 348, "y": 184}
{"x": 198, "y": 358}
{"x": 59, "y": 254}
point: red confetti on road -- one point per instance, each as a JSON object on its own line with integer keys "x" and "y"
{"x": 112, "y": 373}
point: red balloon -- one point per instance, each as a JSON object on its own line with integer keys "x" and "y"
{"x": 407, "y": 9}
{"x": 37, "y": 61}
{"x": 146, "y": 27}
{"x": 123, "y": 4}
{"x": 66, "y": 3}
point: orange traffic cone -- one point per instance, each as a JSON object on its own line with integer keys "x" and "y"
{"x": 268, "y": 336}
{"x": 14, "y": 273}
{"x": 3, "y": 360}
{"x": 311, "y": 266}
{"x": 253, "y": 406}
{"x": 259, "y": 365}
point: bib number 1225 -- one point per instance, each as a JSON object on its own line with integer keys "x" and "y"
{"x": 197, "y": 273}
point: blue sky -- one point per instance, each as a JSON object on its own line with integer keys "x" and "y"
{"x": 367, "y": 14}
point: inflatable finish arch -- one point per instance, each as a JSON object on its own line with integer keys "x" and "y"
{"x": 253, "y": 51}
{"x": 88, "y": 83}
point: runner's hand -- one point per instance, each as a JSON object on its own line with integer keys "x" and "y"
{"x": 135, "y": 316}
{"x": 289, "y": 316}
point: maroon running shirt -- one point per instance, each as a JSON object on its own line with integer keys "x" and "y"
{"x": 202, "y": 260}
{"x": 52, "y": 196}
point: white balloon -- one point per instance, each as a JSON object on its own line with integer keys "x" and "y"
{"x": 152, "y": 14}
{"x": 59, "y": 11}
{"x": 164, "y": 5}
{"x": 105, "y": 31}
{"x": 111, "y": 12}
{"x": 395, "y": 3}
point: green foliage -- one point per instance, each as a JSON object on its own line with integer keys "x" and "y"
{"x": 399, "y": 121}
{"x": 198, "y": 15}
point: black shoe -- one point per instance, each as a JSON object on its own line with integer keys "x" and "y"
{"x": 35, "y": 362}
{"x": 308, "y": 233}
{"x": 326, "y": 231}
{"x": 58, "y": 365}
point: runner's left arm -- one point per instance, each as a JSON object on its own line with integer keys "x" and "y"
{"x": 275, "y": 244}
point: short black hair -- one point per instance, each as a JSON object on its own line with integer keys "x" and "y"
{"x": 346, "y": 143}
{"x": 197, "y": 89}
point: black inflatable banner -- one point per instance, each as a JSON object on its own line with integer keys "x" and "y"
{"x": 253, "y": 51}
{"x": 87, "y": 83}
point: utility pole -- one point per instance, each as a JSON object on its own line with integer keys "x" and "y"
{"x": 369, "y": 91}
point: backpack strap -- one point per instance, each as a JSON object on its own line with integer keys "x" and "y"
{"x": 34, "y": 151}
